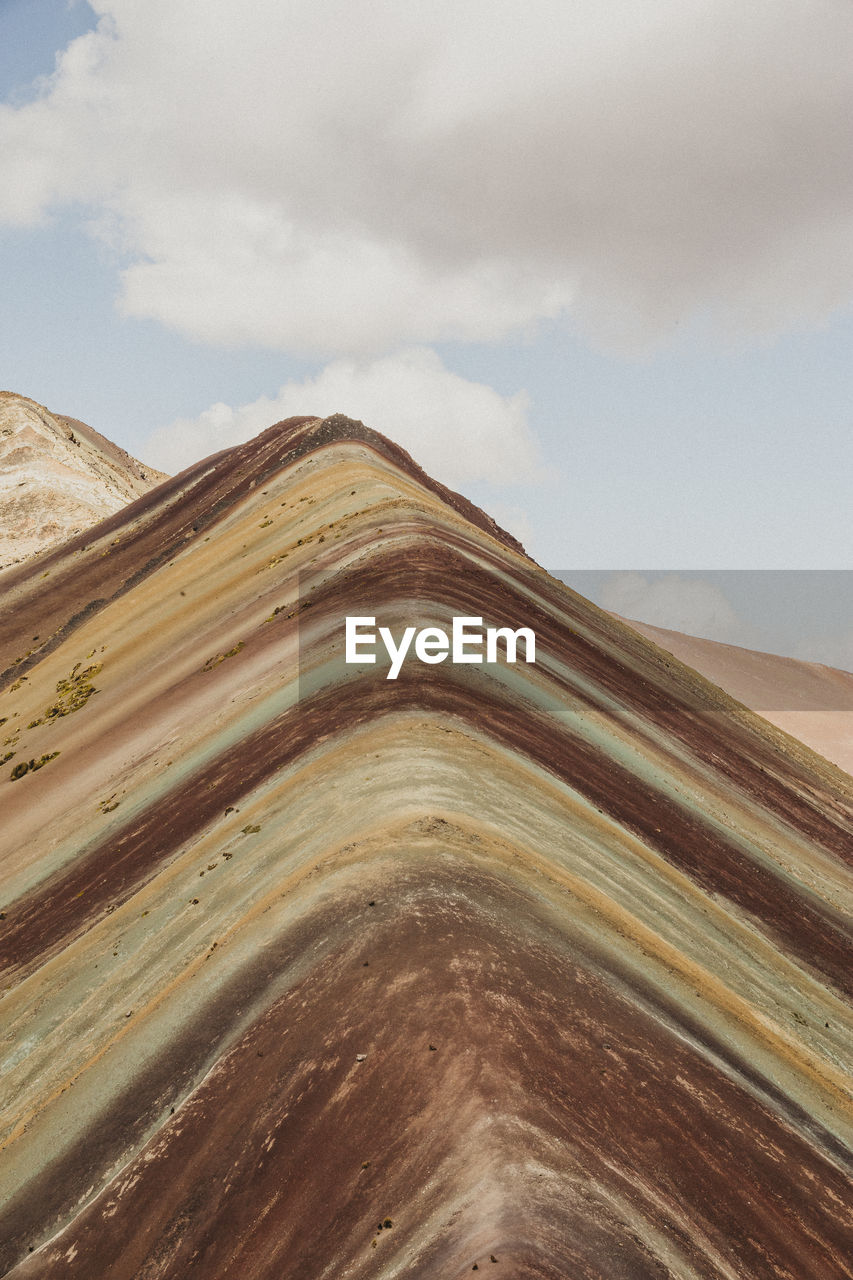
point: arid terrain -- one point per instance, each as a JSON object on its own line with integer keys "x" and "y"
{"x": 57, "y": 477}
{"x": 542, "y": 970}
{"x": 808, "y": 700}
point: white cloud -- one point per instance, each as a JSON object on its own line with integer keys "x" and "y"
{"x": 690, "y": 605}
{"x": 347, "y": 178}
{"x": 459, "y": 431}
{"x": 256, "y": 277}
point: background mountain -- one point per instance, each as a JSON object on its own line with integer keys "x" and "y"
{"x": 809, "y": 700}
{"x": 543, "y": 970}
{"x": 57, "y": 477}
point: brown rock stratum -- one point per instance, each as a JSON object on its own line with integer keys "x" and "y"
{"x": 543, "y": 970}
{"x": 57, "y": 477}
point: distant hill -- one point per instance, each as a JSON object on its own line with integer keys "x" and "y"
{"x": 58, "y": 477}
{"x": 810, "y": 701}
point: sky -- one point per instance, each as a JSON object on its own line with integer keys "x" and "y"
{"x": 797, "y": 613}
{"x": 592, "y": 264}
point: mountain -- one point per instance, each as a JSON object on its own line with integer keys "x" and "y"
{"x": 541, "y": 969}
{"x": 810, "y": 701}
{"x": 57, "y": 477}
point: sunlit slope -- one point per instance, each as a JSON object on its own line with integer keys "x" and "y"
{"x": 57, "y": 477}
{"x": 542, "y": 963}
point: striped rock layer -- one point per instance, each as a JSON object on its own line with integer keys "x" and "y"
{"x": 542, "y": 970}
{"x": 58, "y": 477}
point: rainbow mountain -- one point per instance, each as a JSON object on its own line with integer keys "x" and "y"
{"x": 541, "y": 969}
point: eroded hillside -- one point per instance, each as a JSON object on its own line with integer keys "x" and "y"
{"x": 57, "y": 477}
{"x": 542, "y": 969}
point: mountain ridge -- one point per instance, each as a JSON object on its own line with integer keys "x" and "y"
{"x": 810, "y": 701}
{"x": 58, "y": 476}
{"x": 547, "y": 963}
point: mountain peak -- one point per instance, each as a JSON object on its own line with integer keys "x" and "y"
{"x": 58, "y": 477}
{"x": 314, "y": 970}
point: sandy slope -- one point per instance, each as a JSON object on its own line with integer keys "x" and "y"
{"x": 808, "y": 700}
{"x": 57, "y": 477}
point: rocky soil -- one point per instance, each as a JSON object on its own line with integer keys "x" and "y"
{"x": 57, "y": 478}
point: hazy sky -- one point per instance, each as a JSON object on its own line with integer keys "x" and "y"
{"x": 801, "y": 613}
{"x": 590, "y": 262}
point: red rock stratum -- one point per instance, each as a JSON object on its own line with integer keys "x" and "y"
{"x": 539, "y": 970}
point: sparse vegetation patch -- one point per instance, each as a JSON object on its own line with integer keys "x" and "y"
{"x": 30, "y": 766}
{"x": 220, "y": 657}
{"x": 73, "y": 692}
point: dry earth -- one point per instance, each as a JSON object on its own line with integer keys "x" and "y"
{"x": 57, "y": 477}
{"x": 539, "y": 970}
